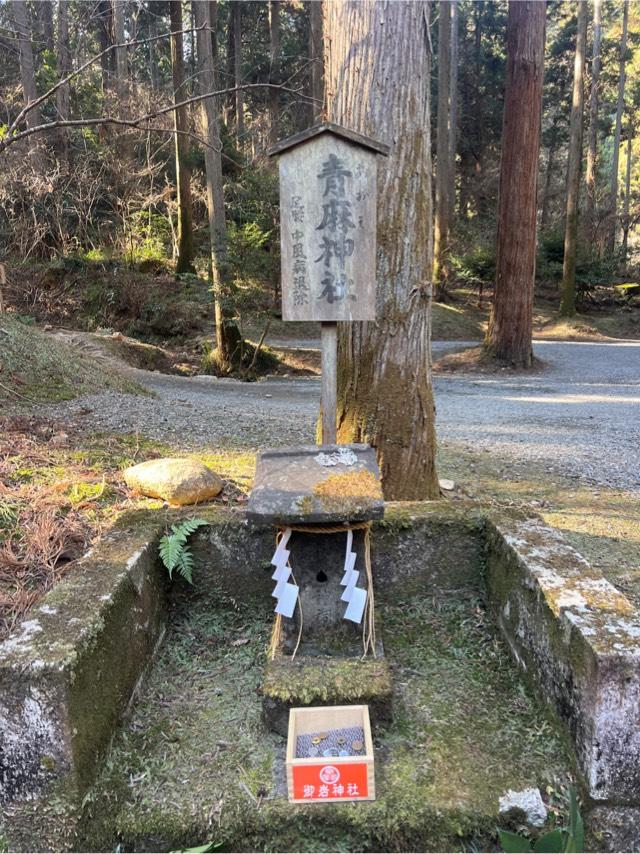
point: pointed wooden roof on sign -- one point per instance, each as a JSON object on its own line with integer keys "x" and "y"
{"x": 336, "y": 130}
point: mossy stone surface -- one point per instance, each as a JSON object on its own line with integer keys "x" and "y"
{"x": 69, "y": 671}
{"x": 196, "y": 763}
{"x": 325, "y": 681}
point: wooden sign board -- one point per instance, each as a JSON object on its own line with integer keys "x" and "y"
{"x": 328, "y": 225}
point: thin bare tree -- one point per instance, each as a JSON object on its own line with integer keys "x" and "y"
{"x": 27, "y": 68}
{"x": 613, "y": 191}
{"x": 453, "y": 112}
{"x": 592, "y": 151}
{"x": 568, "y": 300}
{"x": 184, "y": 261}
{"x": 443, "y": 156}
{"x": 316, "y": 55}
{"x": 63, "y": 103}
{"x": 227, "y": 336}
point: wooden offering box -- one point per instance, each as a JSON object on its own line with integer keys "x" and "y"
{"x": 335, "y": 778}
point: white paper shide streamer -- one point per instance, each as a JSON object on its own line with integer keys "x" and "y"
{"x": 284, "y": 592}
{"x": 355, "y": 597}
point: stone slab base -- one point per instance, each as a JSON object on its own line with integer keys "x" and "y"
{"x": 320, "y": 681}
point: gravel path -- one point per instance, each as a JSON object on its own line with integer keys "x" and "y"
{"x": 580, "y": 416}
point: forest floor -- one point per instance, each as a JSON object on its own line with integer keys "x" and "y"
{"x": 561, "y": 443}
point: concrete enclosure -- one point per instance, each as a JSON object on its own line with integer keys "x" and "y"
{"x": 71, "y": 670}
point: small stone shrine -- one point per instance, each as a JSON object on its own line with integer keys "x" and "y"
{"x": 321, "y": 499}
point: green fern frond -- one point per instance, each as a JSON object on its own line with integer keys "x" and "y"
{"x": 185, "y": 565}
{"x": 170, "y": 548}
{"x": 191, "y": 525}
{"x": 174, "y": 551}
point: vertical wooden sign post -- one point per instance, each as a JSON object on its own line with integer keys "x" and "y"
{"x": 328, "y": 237}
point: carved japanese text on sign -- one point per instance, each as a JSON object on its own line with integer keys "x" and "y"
{"x": 328, "y": 223}
{"x": 330, "y": 782}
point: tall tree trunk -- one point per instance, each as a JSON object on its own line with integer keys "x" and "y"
{"x": 154, "y": 75}
{"x": 453, "y": 114}
{"x": 441, "y": 234}
{"x": 229, "y": 108}
{"x": 44, "y": 14}
{"x": 548, "y": 178}
{"x": 237, "y": 70}
{"x": 627, "y": 191}
{"x": 568, "y": 301}
{"x": 613, "y": 192}
{"x": 316, "y": 55}
{"x": 510, "y": 325}
{"x": 122, "y": 69}
{"x": 274, "y": 73}
{"x": 592, "y": 151}
{"x": 104, "y": 18}
{"x": 64, "y": 67}
{"x": 481, "y": 202}
{"x": 27, "y": 70}
{"x": 377, "y": 67}
{"x": 226, "y": 332}
{"x": 184, "y": 263}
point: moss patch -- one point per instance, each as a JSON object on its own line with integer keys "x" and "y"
{"x": 340, "y": 493}
{"x": 195, "y": 763}
{"x": 325, "y": 680}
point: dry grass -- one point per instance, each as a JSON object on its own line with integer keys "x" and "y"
{"x": 35, "y": 367}
{"x": 462, "y": 319}
{"x": 476, "y": 360}
{"x": 61, "y": 489}
{"x": 602, "y": 523}
{"x": 53, "y": 504}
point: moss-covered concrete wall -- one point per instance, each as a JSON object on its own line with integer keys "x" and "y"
{"x": 70, "y": 670}
{"x": 578, "y": 639}
{"x": 418, "y": 548}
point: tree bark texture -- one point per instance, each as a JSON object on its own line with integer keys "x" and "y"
{"x": 510, "y": 325}
{"x": 154, "y": 75}
{"x": 548, "y": 178}
{"x": 441, "y": 233}
{"x": 274, "y": 73}
{"x": 568, "y": 301}
{"x": 44, "y": 16}
{"x": 236, "y": 13}
{"x": 64, "y": 67}
{"x": 27, "y": 70}
{"x": 122, "y": 65}
{"x": 226, "y": 331}
{"x": 212, "y": 157}
{"x": 592, "y": 151}
{"x": 613, "y": 192}
{"x": 316, "y": 55}
{"x": 184, "y": 263}
{"x": 453, "y": 113}
{"x": 104, "y": 19}
{"x": 377, "y": 67}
